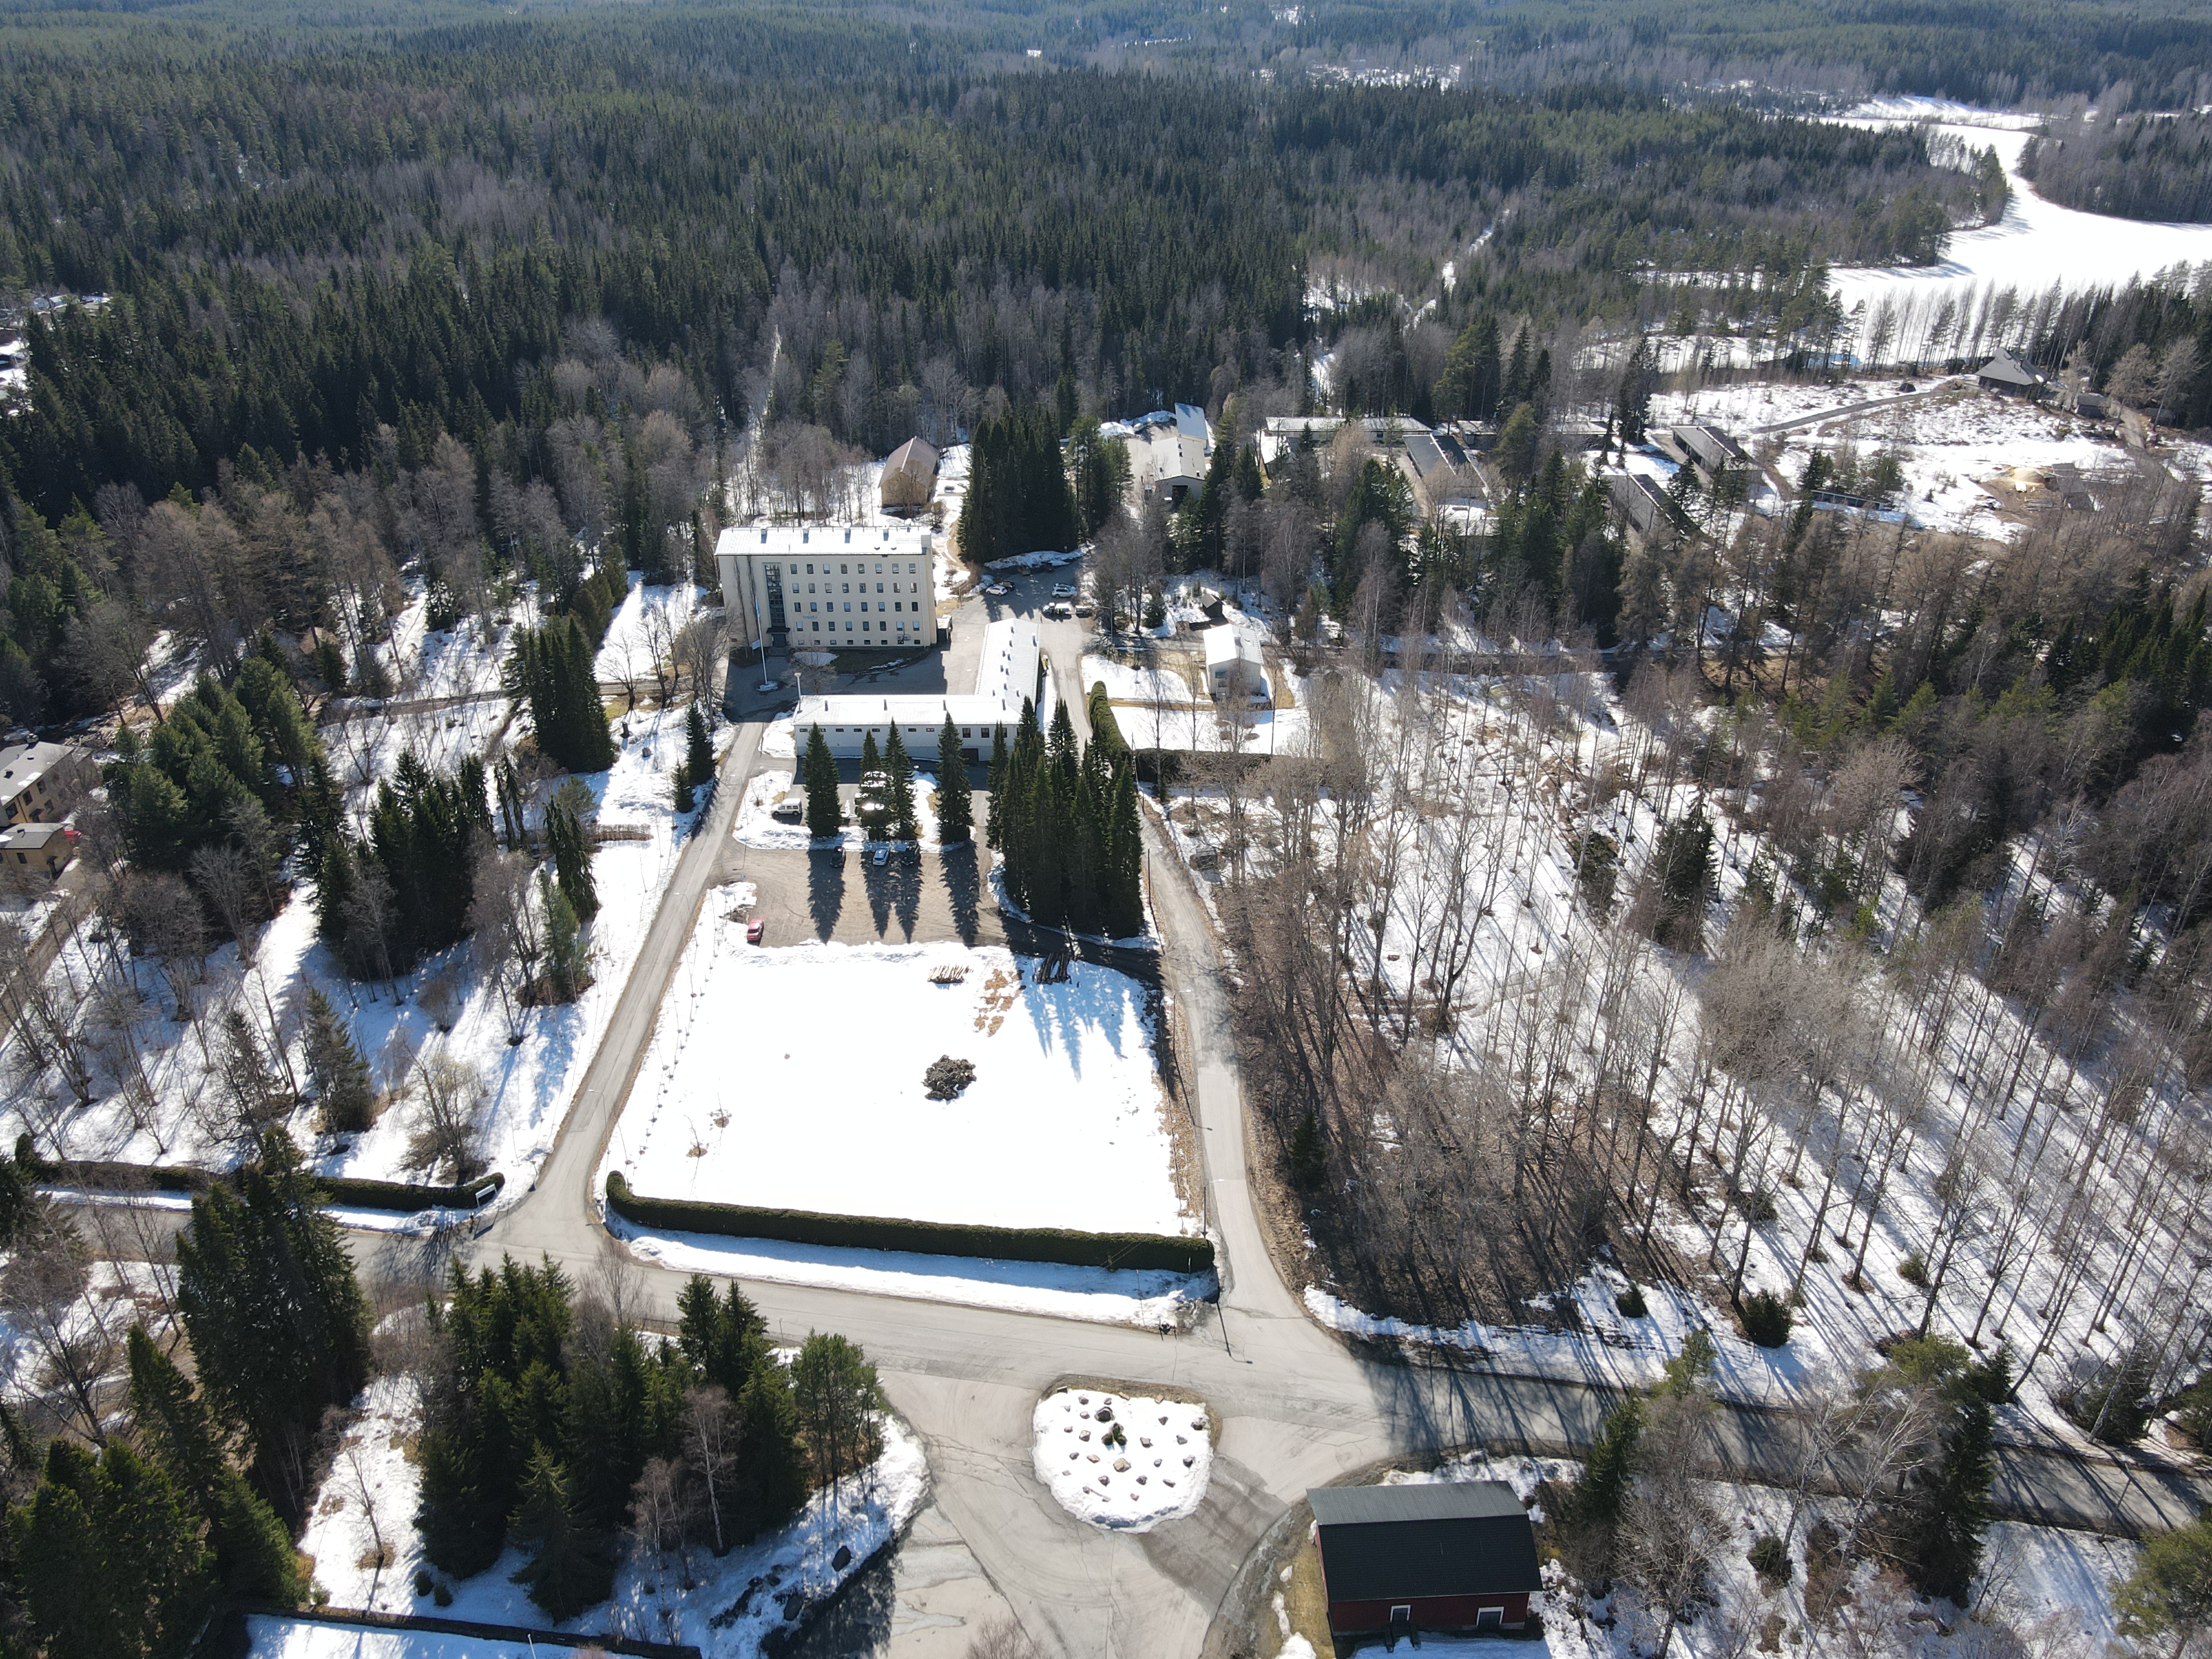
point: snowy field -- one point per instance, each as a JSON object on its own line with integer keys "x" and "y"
{"x": 2035, "y": 245}
{"x": 1063, "y": 1126}
{"x": 1124, "y": 1464}
{"x": 374, "y": 1486}
{"x": 1103, "y": 1295}
{"x": 1125, "y": 683}
{"x": 1202, "y": 728}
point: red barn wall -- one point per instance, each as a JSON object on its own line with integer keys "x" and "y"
{"x": 1430, "y": 1612}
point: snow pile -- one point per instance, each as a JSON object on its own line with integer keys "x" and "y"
{"x": 1123, "y": 1463}
{"x": 1063, "y": 1127}
{"x": 1041, "y": 560}
{"x": 1154, "y": 1300}
{"x": 370, "y": 1497}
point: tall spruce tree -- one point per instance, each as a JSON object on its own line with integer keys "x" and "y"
{"x": 110, "y": 1558}
{"x": 823, "y": 815}
{"x": 900, "y": 799}
{"x": 954, "y": 809}
{"x": 995, "y": 786}
{"x": 1125, "y": 859}
{"x": 277, "y": 1322}
{"x": 570, "y": 843}
{"x": 573, "y": 1566}
{"x": 253, "y": 1554}
{"x": 336, "y": 1070}
{"x": 698, "y": 749}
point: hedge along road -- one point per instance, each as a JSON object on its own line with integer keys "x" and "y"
{"x": 1294, "y": 1406}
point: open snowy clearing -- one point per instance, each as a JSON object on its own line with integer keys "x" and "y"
{"x": 1125, "y": 683}
{"x": 1122, "y": 1463}
{"x": 373, "y": 1490}
{"x": 2035, "y": 245}
{"x": 1102, "y": 1295}
{"x": 643, "y": 630}
{"x": 1063, "y": 1126}
{"x": 1203, "y": 728}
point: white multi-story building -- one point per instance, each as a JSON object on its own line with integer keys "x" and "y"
{"x": 835, "y": 587}
{"x": 1007, "y": 676}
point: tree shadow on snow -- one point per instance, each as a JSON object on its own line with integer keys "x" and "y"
{"x": 963, "y": 887}
{"x": 857, "y": 1620}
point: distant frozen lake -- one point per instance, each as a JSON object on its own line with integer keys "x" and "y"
{"x": 2036, "y": 243}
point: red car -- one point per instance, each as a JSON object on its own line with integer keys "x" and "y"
{"x": 753, "y": 931}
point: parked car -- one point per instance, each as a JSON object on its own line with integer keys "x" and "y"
{"x": 1084, "y": 608}
{"x": 997, "y": 590}
{"x": 1063, "y": 590}
{"x": 883, "y": 857}
{"x": 1059, "y": 610}
{"x": 754, "y": 930}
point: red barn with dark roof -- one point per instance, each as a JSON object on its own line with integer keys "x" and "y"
{"x": 1453, "y": 1557}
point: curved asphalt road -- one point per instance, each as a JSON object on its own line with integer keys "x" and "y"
{"x": 1294, "y": 1406}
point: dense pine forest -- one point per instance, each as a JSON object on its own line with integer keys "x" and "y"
{"x": 404, "y": 228}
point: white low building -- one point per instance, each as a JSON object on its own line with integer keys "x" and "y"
{"x": 835, "y": 587}
{"x": 1007, "y": 676}
{"x": 1233, "y": 662}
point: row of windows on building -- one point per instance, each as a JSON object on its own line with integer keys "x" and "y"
{"x": 814, "y": 626}
{"x": 912, "y": 568}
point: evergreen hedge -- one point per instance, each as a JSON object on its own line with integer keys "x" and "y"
{"x": 1053, "y": 1244}
{"x": 94, "y": 1175}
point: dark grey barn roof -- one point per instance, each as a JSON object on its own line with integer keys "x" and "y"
{"x": 1393, "y": 1543}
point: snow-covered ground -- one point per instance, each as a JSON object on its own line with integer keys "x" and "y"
{"x": 1204, "y": 728}
{"x": 527, "y": 1085}
{"x": 376, "y": 1482}
{"x": 1957, "y": 448}
{"x": 1105, "y": 1296}
{"x": 642, "y": 632}
{"x": 2040, "y": 1586}
{"x": 2035, "y": 245}
{"x": 756, "y": 824}
{"x": 1125, "y": 683}
{"x": 1608, "y": 1348}
{"x": 1123, "y": 1463}
{"x": 1063, "y": 1126}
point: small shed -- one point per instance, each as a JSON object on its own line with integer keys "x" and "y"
{"x": 2006, "y": 374}
{"x": 909, "y": 476}
{"x": 1459, "y": 1556}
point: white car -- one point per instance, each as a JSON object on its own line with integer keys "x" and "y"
{"x": 997, "y": 590}
{"x": 1063, "y": 590}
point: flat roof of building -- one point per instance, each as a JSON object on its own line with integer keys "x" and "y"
{"x": 1005, "y": 674}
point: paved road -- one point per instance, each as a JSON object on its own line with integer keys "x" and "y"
{"x": 1294, "y": 1406}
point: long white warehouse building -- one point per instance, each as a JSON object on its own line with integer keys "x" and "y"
{"x": 1008, "y": 675}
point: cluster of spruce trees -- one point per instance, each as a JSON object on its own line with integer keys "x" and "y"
{"x": 1019, "y": 499}
{"x": 120, "y": 1548}
{"x": 405, "y": 890}
{"x": 553, "y": 1425}
{"x": 1064, "y": 821}
{"x": 222, "y": 754}
{"x": 553, "y": 667}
